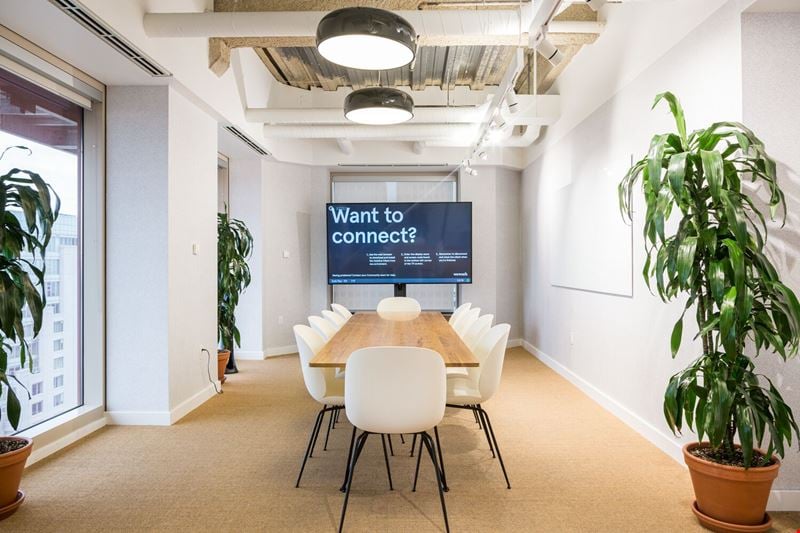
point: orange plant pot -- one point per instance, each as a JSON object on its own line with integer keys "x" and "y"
{"x": 222, "y": 362}
{"x": 730, "y": 494}
{"x": 11, "y": 466}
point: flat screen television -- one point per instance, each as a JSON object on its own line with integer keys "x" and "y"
{"x": 399, "y": 243}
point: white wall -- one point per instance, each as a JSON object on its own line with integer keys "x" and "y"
{"x": 771, "y": 77}
{"x": 508, "y": 254}
{"x": 617, "y": 347}
{"x": 161, "y": 297}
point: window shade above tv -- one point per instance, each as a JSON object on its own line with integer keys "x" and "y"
{"x": 423, "y": 242}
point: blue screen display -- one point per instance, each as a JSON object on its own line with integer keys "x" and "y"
{"x": 424, "y": 242}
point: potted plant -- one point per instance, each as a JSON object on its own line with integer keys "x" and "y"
{"x": 234, "y": 246}
{"x": 28, "y": 209}
{"x": 713, "y": 181}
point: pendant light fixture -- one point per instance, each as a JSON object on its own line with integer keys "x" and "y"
{"x": 366, "y": 38}
{"x": 378, "y": 106}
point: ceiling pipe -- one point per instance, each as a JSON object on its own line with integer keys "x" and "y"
{"x": 330, "y": 115}
{"x": 530, "y": 134}
{"x": 345, "y": 145}
{"x": 418, "y": 147}
{"x": 427, "y": 23}
{"x": 400, "y": 132}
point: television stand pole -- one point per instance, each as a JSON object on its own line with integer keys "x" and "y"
{"x": 399, "y": 290}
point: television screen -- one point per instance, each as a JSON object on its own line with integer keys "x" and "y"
{"x": 424, "y": 242}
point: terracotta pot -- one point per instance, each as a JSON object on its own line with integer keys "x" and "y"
{"x": 11, "y": 466}
{"x": 730, "y": 494}
{"x": 222, "y": 362}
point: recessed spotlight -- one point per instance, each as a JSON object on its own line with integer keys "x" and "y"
{"x": 366, "y": 38}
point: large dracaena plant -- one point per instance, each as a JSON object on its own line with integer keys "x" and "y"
{"x": 234, "y": 246}
{"x": 28, "y": 210}
{"x": 716, "y": 257}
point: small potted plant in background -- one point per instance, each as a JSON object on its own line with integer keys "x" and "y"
{"x": 234, "y": 246}
{"x": 716, "y": 259}
{"x": 28, "y": 209}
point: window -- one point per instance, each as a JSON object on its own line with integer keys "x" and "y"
{"x": 58, "y": 326}
{"x": 58, "y": 345}
{"x": 37, "y": 388}
{"x": 56, "y": 308}
{"x": 51, "y": 288}
{"x": 58, "y": 381}
{"x": 58, "y": 399}
{"x": 58, "y": 363}
{"x": 36, "y": 408}
{"x": 51, "y": 266}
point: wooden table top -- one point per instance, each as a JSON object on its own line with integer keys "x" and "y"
{"x": 429, "y": 330}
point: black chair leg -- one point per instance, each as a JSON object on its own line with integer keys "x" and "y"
{"x": 488, "y": 422}
{"x": 413, "y": 445}
{"x": 330, "y": 425}
{"x": 485, "y": 431}
{"x": 350, "y": 471}
{"x": 477, "y": 420}
{"x": 391, "y": 448}
{"x": 419, "y": 455}
{"x": 441, "y": 459}
{"x": 347, "y": 464}
{"x": 317, "y": 423}
{"x": 424, "y": 437}
{"x": 402, "y": 440}
{"x": 316, "y": 432}
{"x": 386, "y": 458}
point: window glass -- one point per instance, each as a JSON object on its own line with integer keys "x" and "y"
{"x": 52, "y": 128}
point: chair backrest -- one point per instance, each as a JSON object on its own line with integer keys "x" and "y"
{"x": 399, "y": 308}
{"x": 309, "y": 342}
{"x": 493, "y": 350}
{"x": 478, "y": 329}
{"x": 336, "y": 320}
{"x": 395, "y": 389}
{"x": 322, "y": 326}
{"x": 465, "y": 322}
{"x": 342, "y": 310}
{"x": 458, "y": 312}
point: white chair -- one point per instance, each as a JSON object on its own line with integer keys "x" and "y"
{"x": 474, "y": 334}
{"x": 463, "y": 308}
{"x": 394, "y": 389}
{"x": 482, "y": 384}
{"x": 322, "y": 326}
{"x": 320, "y": 385}
{"x": 334, "y": 318}
{"x": 465, "y": 322}
{"x": 342, "y": 310}
{"x": 399, "y": 308}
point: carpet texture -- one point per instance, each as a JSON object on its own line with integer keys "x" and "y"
{"x": 231, "y": 465}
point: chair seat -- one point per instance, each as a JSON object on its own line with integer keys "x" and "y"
{"x": 457, "y": 372}
{"x": 462, "y": 392}
{"x": 336, "y": 401}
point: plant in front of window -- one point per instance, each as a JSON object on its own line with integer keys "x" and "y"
{"x": 28, "y": 210}
{"x": 234, "y": 246}
{"x": 720, "y": 186}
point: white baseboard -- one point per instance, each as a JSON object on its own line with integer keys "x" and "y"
{"x": 514, "y": 343}
{"x": 37, "y": 454}
{"x": 161, "y": 418}
{"x": 779, "y": 500}
{"x": 249, "y": 355}
{"x": 281, "y": 350}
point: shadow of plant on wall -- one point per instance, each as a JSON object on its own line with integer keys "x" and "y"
{"x": 717, "y": 258}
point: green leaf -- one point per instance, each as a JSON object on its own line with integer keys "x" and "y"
{"x": 712, "y": 170}
{"x": 676, "y": 110}
{"x": 677, "y": 335}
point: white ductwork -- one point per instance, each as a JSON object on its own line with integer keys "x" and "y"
{"x": 345, "y": 145}
{"x": 530, "y": 134}
{"x": 405, "y": 132}
{"x": 422, "y": 115}
{"x": 427, "y": 23}
{"x": 418, "y": 147}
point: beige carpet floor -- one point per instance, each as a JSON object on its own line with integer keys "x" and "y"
{"x": 231, "y": 464}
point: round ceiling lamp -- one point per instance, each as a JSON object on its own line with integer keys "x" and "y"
{"x": 378, "y": 106}
{"x": 366, "y": 38}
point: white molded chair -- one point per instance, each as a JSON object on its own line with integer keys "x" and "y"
{"x": 474, "y": 334}
{"x": 482, "y": 383}
{"x": 465, "y": 322}
{"x": 342, "y": 310}
{"x": 322, "y": 326}
{"x": 399, "y": 308}
{"x": 394, "y": 389}
{"x": 460, "y": 310}
{"x": 334, "y": 318}
{"x": 320, "y": 385}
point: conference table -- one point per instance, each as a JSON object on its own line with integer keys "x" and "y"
{"x": 429, "y": 330}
